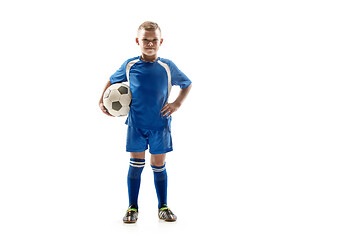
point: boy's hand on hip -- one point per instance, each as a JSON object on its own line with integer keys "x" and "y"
{"x": 170, "y": 108}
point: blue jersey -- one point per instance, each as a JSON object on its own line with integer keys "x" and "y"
{"x": 150, "y": 84}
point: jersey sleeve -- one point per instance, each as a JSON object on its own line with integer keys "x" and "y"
{"x": 178, "y": 77}
{"x": 120, "y": 75}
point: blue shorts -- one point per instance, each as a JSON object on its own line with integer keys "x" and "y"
{"x": 138, "y": 140}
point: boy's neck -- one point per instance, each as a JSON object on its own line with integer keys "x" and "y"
{"x": 148, "y": 58}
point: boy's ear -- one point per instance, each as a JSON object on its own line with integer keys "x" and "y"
{"x": 137, "y": 41}
{"x": 161, "y": 41}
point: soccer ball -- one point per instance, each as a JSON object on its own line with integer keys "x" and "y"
{"x": 117, "y": 99}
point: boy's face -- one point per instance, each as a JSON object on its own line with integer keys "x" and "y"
{"x": 149, "y": 41}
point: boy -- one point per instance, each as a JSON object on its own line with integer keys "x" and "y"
{"x": 150, "y": 78}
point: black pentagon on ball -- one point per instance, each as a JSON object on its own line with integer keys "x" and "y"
{"x": 116, "y": 106}
{"x": 123, "y": 90}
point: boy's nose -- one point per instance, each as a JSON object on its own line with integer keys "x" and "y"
{"x": 150, "y": 43}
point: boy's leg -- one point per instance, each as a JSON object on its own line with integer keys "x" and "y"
{"x": 136, "y": 144}
{"x": 137, "y": 163}
{"x": 160, "y": 177}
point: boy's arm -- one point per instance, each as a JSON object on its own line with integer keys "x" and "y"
{"x": 170, "y": 108}
{"x": 101, "y": 104}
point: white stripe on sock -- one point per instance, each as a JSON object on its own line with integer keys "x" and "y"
{"x": 136, "y": 165}
{"x": 158, "y": 169}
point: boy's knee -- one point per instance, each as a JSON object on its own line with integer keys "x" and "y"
{"x": 138, "y": 155}
{"x": 158, "y": 160}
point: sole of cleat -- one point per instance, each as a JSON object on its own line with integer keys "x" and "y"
{"x": 129, "y": 221}
{"x": 170, "y": 220}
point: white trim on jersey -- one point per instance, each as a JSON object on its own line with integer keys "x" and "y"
{"x": 128, "y": 66}
{"x": 167, "y": 68}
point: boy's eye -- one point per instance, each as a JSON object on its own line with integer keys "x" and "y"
{"x": 148, "y": 40}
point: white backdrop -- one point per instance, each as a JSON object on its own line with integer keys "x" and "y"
{"x": 266, "y": 146}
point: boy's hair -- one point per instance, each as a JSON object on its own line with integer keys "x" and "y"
{"x": 149, "y": 26}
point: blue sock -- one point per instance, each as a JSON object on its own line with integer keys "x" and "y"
{"x": 160, "y": 180}
{"x": 133, "y": 179}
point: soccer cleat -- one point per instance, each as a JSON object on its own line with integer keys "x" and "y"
{"x": 131, "y": 215}
{"x": 166, "y": 214}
